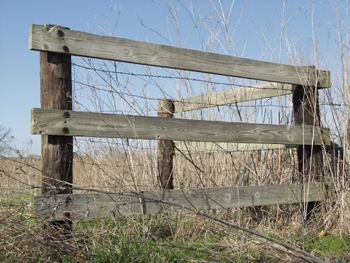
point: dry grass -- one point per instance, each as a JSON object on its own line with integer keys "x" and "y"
{"x": 131, "y": 165}
{"x": 187, "y": 235}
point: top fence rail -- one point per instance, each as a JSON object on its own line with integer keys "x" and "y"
{"x": 57, "y": 39}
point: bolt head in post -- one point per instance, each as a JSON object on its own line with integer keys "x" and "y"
{"x": 60, "y": 33}
{"x": 66, "y": 130}
{"x": 65, "y": 49}
{"x": 66, "y": 114}
{"x": 68, "y": 200}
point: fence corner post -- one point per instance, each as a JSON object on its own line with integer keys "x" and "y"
{"x": 165, "y": 148}
{"x": 306, "y": 112}
{"x": 57, "y": 151}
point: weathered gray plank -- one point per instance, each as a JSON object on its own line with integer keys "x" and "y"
{"x": 46, "y": 38}
{"x": 98, "y": 205}
{"x": 209, "y": 147}
{"x": 241, "y": 94}
{"x": 54, "y": 122}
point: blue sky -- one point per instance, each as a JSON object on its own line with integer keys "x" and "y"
{"x": 19, "y": 67}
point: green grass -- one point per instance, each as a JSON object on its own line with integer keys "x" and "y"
{"x": 126, "y": 243}
{"x": 321, "y": 246}
{"x": 132, "y": 248}
{"x": 12, "y": 201}
{"x": 329, "y": 245}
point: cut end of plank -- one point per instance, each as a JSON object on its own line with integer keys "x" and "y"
{"x": 32, "y": 121}
{"x": 33, "y": 127}
{"x": 39, "y": 36}
{"x": 31, "y": 36}
{"x": 326, "y": 136}
{"x": 328, "y": 83}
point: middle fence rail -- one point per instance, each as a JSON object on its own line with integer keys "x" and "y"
{"x": 57, "y": 120}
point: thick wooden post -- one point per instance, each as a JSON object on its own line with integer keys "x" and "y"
{"x": 57, "y": 151}
{"x": 165, "y": 148}
{"x": 56, "y": 93}
{"x": 306, "y": 111}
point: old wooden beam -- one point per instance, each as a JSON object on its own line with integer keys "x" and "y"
{"x": 56, "y": 150}
{"x": 306, "y": 112}
{"x": 235, "y": 95}
{"x": 310, "y": 157}
{"x": 209, "y": 147}
{"x": 165, "y": 148}
{"x": 55, "y": 122}
{"x": 44, "y": 38}
{"x": 99, "y": 205}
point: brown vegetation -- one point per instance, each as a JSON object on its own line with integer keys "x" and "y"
{"x": 117, "y": 165}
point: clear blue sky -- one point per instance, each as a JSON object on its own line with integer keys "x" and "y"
{"x": 19, "y": 67}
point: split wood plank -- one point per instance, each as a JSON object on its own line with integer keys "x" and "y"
{"x": 47, "y": 38}
{"x": 236, "y": 95}
{"x": 86, "y": 124}
{"x": 100, "y": 205}
{"x": 209, "y": 147}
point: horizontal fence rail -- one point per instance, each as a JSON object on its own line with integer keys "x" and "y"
{"x": 208, "y": 147}
{"x": 73, "y": 123}
{"x": 236, "y": 95}
{"x": 51, "y": 38}
{"x": 99, "y": 205}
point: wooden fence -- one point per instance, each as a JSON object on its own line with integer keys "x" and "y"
{"x": 57, "y": 124}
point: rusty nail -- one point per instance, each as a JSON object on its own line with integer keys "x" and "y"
{"x": 66, "y": 114}
{"x": 66, "y": 49}
{"x": 66, "y": 130}
{"x": 60, "y": 33}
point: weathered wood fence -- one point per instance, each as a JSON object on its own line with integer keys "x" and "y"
{"x": 57, "y": 124}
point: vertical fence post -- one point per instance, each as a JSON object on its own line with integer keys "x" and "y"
{"x": 306, "y": 111}
{"x": 165, "y": 151}
{"x": 57, "y": 151}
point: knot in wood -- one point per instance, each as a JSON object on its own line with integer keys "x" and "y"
{"x": 60, "y": 33}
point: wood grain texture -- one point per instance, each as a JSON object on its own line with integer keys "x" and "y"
{"x": 98, "y": 205}
{"x": 165, "y": 148}
{"x": 56, "y": 93}
{"x": 306, "y": 111}
{"x": 209, "y": 147}
{"x": 53, "y": 122}
{"x": 44, "y": 38}
{"x": 311, "y": 160}
{"x": 236, "y": 95}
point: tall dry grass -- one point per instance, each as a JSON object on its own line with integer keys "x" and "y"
{"x": 131, "y": 165}
{"x": 118, "y": 171}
